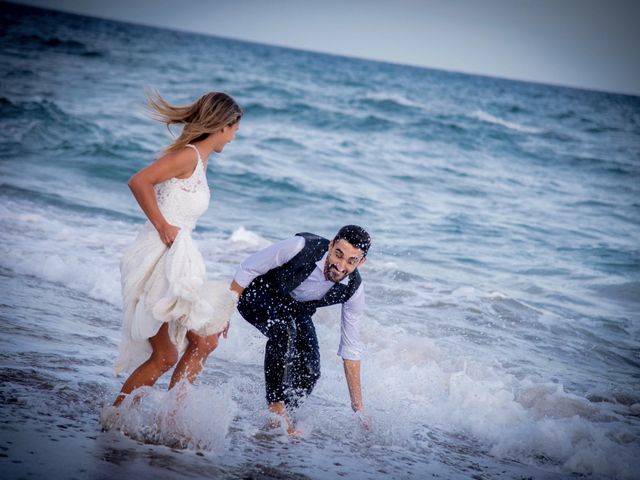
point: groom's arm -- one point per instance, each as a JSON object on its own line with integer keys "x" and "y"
{"x": 350, "y": 348}
{"x": 264, "y": 260}
{"x": 352, "y": 374}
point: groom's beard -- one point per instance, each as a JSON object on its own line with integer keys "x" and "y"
{"x": 333, "y": 273}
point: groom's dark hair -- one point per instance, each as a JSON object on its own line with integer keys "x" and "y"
{"x": 356, "y": 236}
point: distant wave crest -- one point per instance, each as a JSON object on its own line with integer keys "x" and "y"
{"x": 487, "y": 117}
{"x": 391, "y": 99}
{"x": 72, "y": 47}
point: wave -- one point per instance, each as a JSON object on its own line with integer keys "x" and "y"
{"x": 79, "y": 247}
{"x": 279, "y": 142}
{"x": 265, "y": 186}
{"x": 71, "y": 47}
{"x": 282, "y": 108}
{"x": 487, "y": 117}
{"x": 20, "y": 73}
{"x": 624, "y": 292}
{"x": 35, "y": 110}
{"x": 525, "y": 418}
{"x": 391, "y": 101}
{"x": 621, "y": 166}
{"x": 43, "y": 123}
{"x": 40, "y": 198}
{"x": 266, "y": 90}
{"x": 318, "y": 117}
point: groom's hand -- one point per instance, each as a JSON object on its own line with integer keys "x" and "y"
{"x": 365, "y": 420}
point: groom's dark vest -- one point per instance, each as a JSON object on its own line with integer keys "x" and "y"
{"x": 281, "y": 281}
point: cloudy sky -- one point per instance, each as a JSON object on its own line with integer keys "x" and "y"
{"x": 584, "y": 43}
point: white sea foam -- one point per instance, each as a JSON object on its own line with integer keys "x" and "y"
{"x": 413, "y": 384}
{"x": 487, "y": 117}
{"x": 526, "y": 418}
{"x": 79, "y": 251}
{"x": 83, "y": 252}
{"x": 248, "y": 239}
{"x": 183, "y": 417}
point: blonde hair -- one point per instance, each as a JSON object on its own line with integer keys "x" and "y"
{"x": 210, "y": 113}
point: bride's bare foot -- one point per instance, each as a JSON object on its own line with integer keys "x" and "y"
{"x": 109, "y": 418}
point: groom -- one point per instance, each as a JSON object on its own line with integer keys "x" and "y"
{"x": 280, "y": 288}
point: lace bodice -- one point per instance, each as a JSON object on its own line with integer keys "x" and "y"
{"x": 183, "y": 200}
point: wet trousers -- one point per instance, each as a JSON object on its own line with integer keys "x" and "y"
{"x": 292, "y": 357}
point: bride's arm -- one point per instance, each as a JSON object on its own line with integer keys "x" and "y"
{"x": 141, "y": 184}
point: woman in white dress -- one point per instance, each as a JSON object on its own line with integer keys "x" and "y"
{"x": 171, "y": 315}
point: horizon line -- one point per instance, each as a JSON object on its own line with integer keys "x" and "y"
{"x": 332, "y": 54}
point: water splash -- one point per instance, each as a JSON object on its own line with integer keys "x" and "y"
{"x": 183, "y": 417}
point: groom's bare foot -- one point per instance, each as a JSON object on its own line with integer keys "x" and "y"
{"x": 279, "y": 409}
{"x": 294, "y": 432}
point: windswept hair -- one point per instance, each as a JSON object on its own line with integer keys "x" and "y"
{"x": 356, "y": 236}
{"x": 210, "y": 113}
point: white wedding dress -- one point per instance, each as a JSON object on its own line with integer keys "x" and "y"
{"x": 162, "y": 284}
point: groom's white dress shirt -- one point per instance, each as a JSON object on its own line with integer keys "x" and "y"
{"x": 313, "y": 288}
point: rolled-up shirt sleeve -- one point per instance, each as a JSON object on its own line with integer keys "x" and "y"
{"x": 267, "y": 259}
{"x": 352, "y": 312}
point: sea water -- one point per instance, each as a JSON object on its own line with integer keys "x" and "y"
{"x": 503, "y": 285}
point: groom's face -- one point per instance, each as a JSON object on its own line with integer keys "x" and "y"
{"x": 343, "y": 258}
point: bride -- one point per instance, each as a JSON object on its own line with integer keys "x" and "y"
{"x": 171, "y": 315}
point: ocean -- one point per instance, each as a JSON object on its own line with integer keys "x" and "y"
{"x": 502, "y": 333}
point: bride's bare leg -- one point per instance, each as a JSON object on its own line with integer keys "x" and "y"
{"x": 192, "y": 361}
{"x": 163, "y": 357}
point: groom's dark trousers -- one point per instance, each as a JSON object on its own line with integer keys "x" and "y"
{"x": 292, "y": 357}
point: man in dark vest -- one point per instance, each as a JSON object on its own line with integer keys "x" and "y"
{"x": 280, "y": 288}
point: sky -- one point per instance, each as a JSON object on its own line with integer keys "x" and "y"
{"x": 591, "y": 44}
